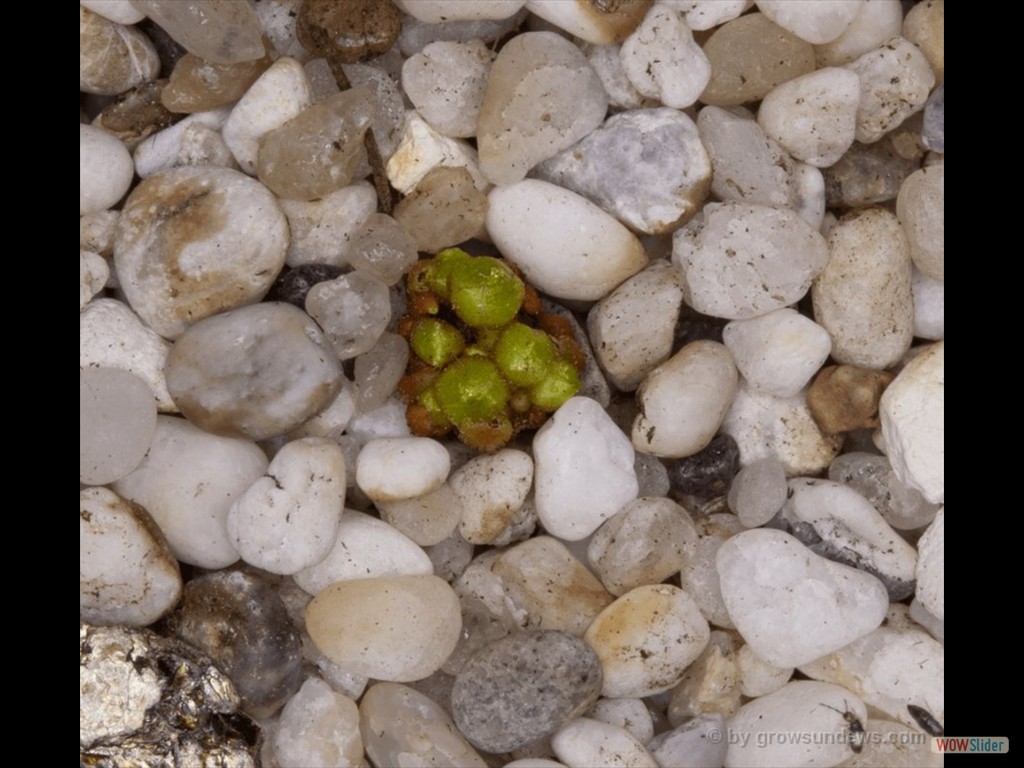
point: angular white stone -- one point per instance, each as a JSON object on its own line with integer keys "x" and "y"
{"x": 791, "y": 605}
{"x": 709, "y": 683}
{"x": 187, "y": 482}
{"x": 170, "y": 147}
{"x": 663, "y": 61}
{"x": 586, "y": 742}
{"x": 816, "y": 21}
{"x": 386, "y": 420}
{"x": 364, "y": 548}
{"x": 814, "y": 117}
{"x": 391, "y": 469}
{"x": 607, "y": 63}
{"x": 105, "y": 169}
{"x": 631, "y": 714}
{"x": 437, "y": 11}
{"x": 126, "y": 572}
{"x": 931, "y": 571}
{"x": 740, "y": 261}
{"x": 895, "y": 80}
{"x": 912, "y": 411}
{"x": 584, "y": 469}
{"x": 446, "y": 82}
{"x": 491, "y": 488}
{"x": 119, "y": 11}
{"x": 279, "y": 94}
{"x": 682, "y": 402}
{"x": 593, "y": 22}
{"x": 321, "y": 230}
{"x": 318, "y": 727}
{"x": 421, "y": 149}
{"x": 799, "y": 707}
{"x": 758, "y": 491}
{"x": 571, "y": 248}
{"x": 287, "y": 520}
{"x": 777, "y": 353}
{"x": 875, "y": 22}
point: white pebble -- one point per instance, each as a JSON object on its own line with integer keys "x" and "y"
{"x": 699, "y": 574}
{"x": 595, "y": 253}
{"x": 607, "y": 63}
{"x": 741, "y": 261}
{"x": 628, "y": 713}
{"x": 931, "y": 572}
{"x": 777, "y": 353}
{"x": 584, "y": 469}
{"x": 287, "y": 519}
{"x": 318, "y": 727}
{"x": 426, "y": 519}
{"x": 391, "y": 469}
{"x": 187, "y": 482}
{"x": 920, "y": 207}
{"x": 421, "y": 149}
{"x": 699, "y": 741}
{"x": 816, "y": 21}
{"x": 117, "y": 419}
{"x": 663, "y": 61}
{"x": 791, "y": 605}
{"x": 126, "y": 572}
{"x": 588, "y": 21}
{"x": 119, "y": 11}
{"x": 105, "y": 169}
{"x": 364, "y": 548}
{"x": 168, "y": 148}
{"x": 437, "y": 11}
{"x": 279, "y": 94}
{"x": 913, "y": 423}
{"x": 682, "y": 402}
{"x": 758, "y": 491}
{"x": 446, "y": 81}
{"x": 93, "y": 273}
{"x": 386, "y": 420}
{"x": 353, "y": 311}
{"x": 757, "y": 676}
{"x": 491, "y": 487}
{"x": 814, "y": 117}
{"x": 875, "y": 22}
{"x": 585, "y": 743}
{"x": 322, "y": 230}
{"x": 707, "y": 14}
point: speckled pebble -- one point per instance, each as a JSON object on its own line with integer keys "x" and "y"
{"x": 112, "y": 57}
{"x": 492, "y": 488}
{"x": 524, "y": 687}
{"x": 392, "y": 469}
{"x": 844, "y": 397}
{"x": 707, "y": 473}
{"x": 105, "y": 169}
{"x": 663, "y": 61}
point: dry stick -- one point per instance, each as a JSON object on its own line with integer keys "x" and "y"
{"x": 385, "y": 200}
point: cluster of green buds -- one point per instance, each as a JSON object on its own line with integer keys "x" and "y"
{"x": 486, "y": 360}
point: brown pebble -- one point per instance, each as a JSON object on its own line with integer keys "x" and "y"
{"x": 844, "y": 397}
{"x": 352, "y": 31}
{"x": 136, "y": 114}
{"x": 198, "y": 85}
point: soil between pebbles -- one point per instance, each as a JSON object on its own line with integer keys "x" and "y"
{"x": 720, "y": 231}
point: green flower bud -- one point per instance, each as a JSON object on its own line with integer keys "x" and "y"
{"x": 471, "y": 390}
{"x": 523, "y": 354}
{"x": 484, "y": 292}
{"x": 561, "y": 383}
{"x": 435, "y": 342}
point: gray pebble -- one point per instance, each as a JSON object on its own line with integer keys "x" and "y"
{"x": 933, "y": 136}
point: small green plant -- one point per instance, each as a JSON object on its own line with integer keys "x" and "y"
{"x": 486, "y": 361}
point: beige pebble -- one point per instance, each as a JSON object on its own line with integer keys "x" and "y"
{"x": 491, "y": 487}
{"x": 925, "y": 26}
{"x": 921, "y": 209}
{"x": 112, "y": 58}
{"x": 117, "y": 418}
{"x": 845, "y": 397}
{"x": 895, "y": 80}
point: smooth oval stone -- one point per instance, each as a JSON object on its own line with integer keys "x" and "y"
{"x": 875, "y": 22}
{"x": 491, "y": 488}
{"x": 353, "y": 310}
{"x": 925, "y": 26}
{"x": 383, "y": 249}
{"x": 112, "y": 58}
{"x": 863, "y": 297}
{"x": 192, "y": 242}
{"x": 523, "y": 688}
{"x": 542, "y": 96}
{"x": 920, "y": 207}
{"x": 350, "y": 31}
{"x": 395, "y": 628}
{"x": 446, "y": 83}
{"x": 646, "y": 639}
{"x": 401, "y": 724}
{"x": 572, "y": 249}
{"x": 586, "y": 742}
{"x": 126, "y": 571}
{"x": 791, "y": 605}
{"x": 816, "y": 21}
{"x": 239, "y": 620}
{"x": 631, "y": 714}
{"x": 396, "y": 468}
{"x": 758, "y": 491}
{"x": 698, "y": 741}
{"x": 318, "y": 727}
{"x": 197, "y": 85}
{"x": 105, "y": 169}
{"x": 445, "y": 209}
{"x": 93, "y": 274}
{"x": 117, "y": 419}
{"x": 843, "y": 397}
{"x": 187, "y": 482}
{"x": 121, "y": 11}
{"x": 756, "y": 676}
{"x": 931, "y": 571}
{"x": 224, "y": 33}
{"x": 594, "y": 21}
{"x": 256, "y": 372}
{"x": 426, "y": 519}
{"x": 740, "y": 261}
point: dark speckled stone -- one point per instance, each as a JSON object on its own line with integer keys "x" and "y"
{"x": 706, "y": 474}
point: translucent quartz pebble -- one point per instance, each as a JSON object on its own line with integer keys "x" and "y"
{"x": 364, "y": 548}
{"x": 813, "y": 117}
{"x": 631, "y": 714}
{"x": 127, "y": 574}
{"x": 740, "y": 260}
{"x": 388, "y": 118}
{"x": 197, "y": 85}
{"x": 426, "y": 519}
{"x": 646, "y": 167}
{"x": 895, "y": 80}
{"x": 925, "y": 27}
{"x": 401, "y": 725}
{"x": 112, "y": 58}
{"x": 378, "y": 370}
{"x": 382, "y": 248}
{"x": 709, "y": 683}
{"x": 758, "y": 491}
{"x": 869, "y": 173}
{"x": 699, "y": 575}
{"x": 395, "y": 628}
{"x": 697, "y": 742}
{"x": 257, "y": 372}
{"x": 663, "y": 61}
{"x": 875, "y": 22}
{"x": 913, "y": 423}
{"x": 872, "y": 477}
{"x": 933, "y": 136}
{"x": 816, "y": 21}
{"x": 321, "y": 230}
{"x": 707, "y": 14}
{"x": 445, "y": 209}
{"x": 417, "y": 35}
{"x": 446, "y": 82}
{"x": 287, "y": 519}
{"x": 121, "y": 11}
{"x": 633, "y": 328}
{"x": 802, "y": 706}
{"x": 921, "y": 210}
{"x": 645, "y": 543}
{"x": 593, "y": 21}
{"x": 751, "y": 55}
{"x": 799, "y": 606}
{"x": 117, "y": 420}
{"x": 931, "y": 578}
{"x": 756, "y": 676}
{"x": 218, "y": 30}
{"x": 353, "y": 310}
{"x": 863, "y": 296}
{"x": 240, "y": 621}
{"x": 318, "y": 727}
{"x": 192, "y": 242}
{"x": 318, "y": 150}
{"x": 542, "y": 96}
{"x": 588, "y": 742}
{"x": 524, "y": 687}
{"x": 105, "y": 169}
